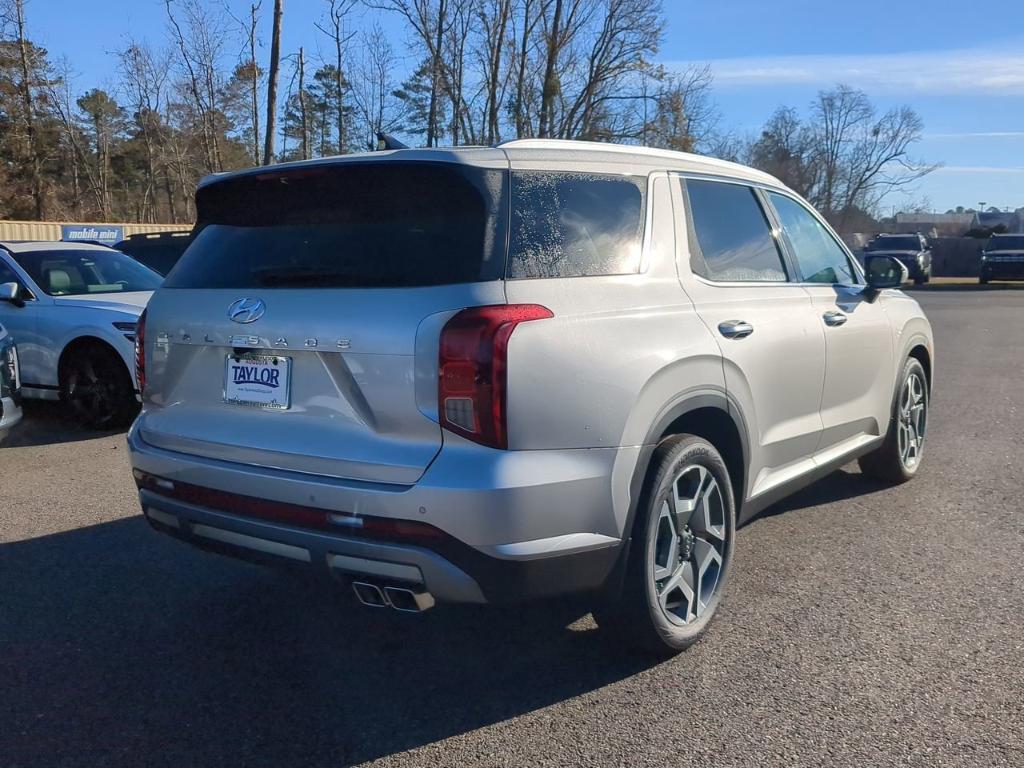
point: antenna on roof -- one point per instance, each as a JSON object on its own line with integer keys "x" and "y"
{"x": 387, "y": 141}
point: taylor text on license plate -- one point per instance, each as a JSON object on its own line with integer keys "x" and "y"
{"x": 263, "y": 381}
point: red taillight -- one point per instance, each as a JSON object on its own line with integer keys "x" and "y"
{"x": 140, "y": 352}
{"x": 473, "y": 370}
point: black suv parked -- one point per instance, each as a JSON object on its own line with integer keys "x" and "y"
{"x": 1002, "y": 258}
{"x": 912, "y": 250}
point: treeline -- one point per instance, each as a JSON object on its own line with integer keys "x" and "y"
{"x": 209, "y": 96}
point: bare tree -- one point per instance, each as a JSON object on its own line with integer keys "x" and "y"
{"x": 303, "y": 113}
{"x": 373, "y": 87}
{"x": 28, "y": 109}
{"x": 844, "y": 157}
{"x": 144, "y": 80}
{"x": 250, "y": 69}
{"x": 201, "y": 42}
{"x": 495, "y": 17}
{"x": 678, "y": 114}
{"x": 524, "y": 23}
{"x": 272, "y": 77}
{"x": 338, "y": 12}
{"x": 429, "y": 20}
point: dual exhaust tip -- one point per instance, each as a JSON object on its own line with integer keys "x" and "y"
{"x": 399, "y": 598}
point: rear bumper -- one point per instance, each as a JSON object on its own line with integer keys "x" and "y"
{"x": 469, "y": 556}
{"x": 1003, "y": 270}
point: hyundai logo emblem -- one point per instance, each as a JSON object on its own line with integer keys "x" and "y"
{"x": 247, "y": 310}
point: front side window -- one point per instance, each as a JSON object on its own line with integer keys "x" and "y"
{"x": 819, "y": 256}
{"x": 575, "y": 224}
{"x": 731, "y": 239}
{"x": 81, "y": 272}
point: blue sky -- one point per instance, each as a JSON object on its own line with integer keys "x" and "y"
{"x": 960, "y": 66}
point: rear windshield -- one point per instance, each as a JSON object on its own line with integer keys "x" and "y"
{"x": 1015, "y": 243}
{"x": 905, "y": 243}
{"x": 76, "y": 273}
{"x": 365, "y": 225}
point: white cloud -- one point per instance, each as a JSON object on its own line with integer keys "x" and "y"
{"x": 995, "y": 70}
{"x": 977, "y": 135}
{"x": 977, "y": 169}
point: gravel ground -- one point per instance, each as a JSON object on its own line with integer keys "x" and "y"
{"x": 864, "y": 625}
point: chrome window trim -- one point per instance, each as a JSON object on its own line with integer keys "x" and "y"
{"x": 761, "y": 189}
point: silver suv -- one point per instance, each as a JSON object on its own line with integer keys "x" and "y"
{"x": 490, "y": 374}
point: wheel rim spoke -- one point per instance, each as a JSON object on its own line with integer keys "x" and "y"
{"x": 678, "y": 593}
{"x": 666, "y": 554}
{"x": 708, "y": 564}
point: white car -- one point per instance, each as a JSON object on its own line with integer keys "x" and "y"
{"x": 73, "y": 309}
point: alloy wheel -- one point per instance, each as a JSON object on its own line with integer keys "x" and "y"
{"x": 92, "y": 395}
{"x": 690, "y": 545}
{"x": 912, "y": 420}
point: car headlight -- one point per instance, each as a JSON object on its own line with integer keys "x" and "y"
{"x": 128, "y": 329}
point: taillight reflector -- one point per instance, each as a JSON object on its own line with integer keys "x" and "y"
{"x": 473, "y": 370}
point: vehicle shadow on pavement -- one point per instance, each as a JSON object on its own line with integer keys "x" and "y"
{"x": 121, "y": 647}
{"x": 837, "y": 486}
{"x": 46, "y": 423}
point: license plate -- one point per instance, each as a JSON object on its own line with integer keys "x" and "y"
{"x": 259, "y": 381}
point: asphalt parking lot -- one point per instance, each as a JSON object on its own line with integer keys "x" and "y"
{"x": 864, "y": 625}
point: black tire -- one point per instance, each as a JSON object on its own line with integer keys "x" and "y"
{"x": 983, "y": 280}
{"x": 920, "y": 279}
{"x": 96, "y": 388}
{"x": 889, "y": 461}
{"x": 636, "y": 613}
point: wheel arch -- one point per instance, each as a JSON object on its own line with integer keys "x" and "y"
{"x": 84, "y": 342}
{"x": 710, "y": 415}
{"x": 920, "y": 353}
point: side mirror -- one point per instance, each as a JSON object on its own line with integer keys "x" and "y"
{"x": 885, "y": 272}
{"x": 11, "y": 292}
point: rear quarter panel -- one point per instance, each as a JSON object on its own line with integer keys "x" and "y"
{"x": 619, "y": 352}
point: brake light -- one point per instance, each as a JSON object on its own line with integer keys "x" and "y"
{"x": 140, "y": 352}
{"x": 473, "y": 370}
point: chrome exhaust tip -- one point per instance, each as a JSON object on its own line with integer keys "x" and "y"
{"x": 402, "y": 599}
{"x": 369, "y": 594}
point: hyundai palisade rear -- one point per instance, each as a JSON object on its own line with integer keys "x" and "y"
{"x": 324, "y": 379}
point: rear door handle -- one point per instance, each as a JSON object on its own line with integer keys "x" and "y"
{"x": 834, "y": 318}
{"x": 735, "y": 329}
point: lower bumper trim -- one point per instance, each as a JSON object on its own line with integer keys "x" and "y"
{"x": 252, "y": 542}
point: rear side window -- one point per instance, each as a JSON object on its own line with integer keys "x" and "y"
{"x": 366, "y": 225}
{"x": 575, "y": 224}
{"x": 730, "y": 238}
